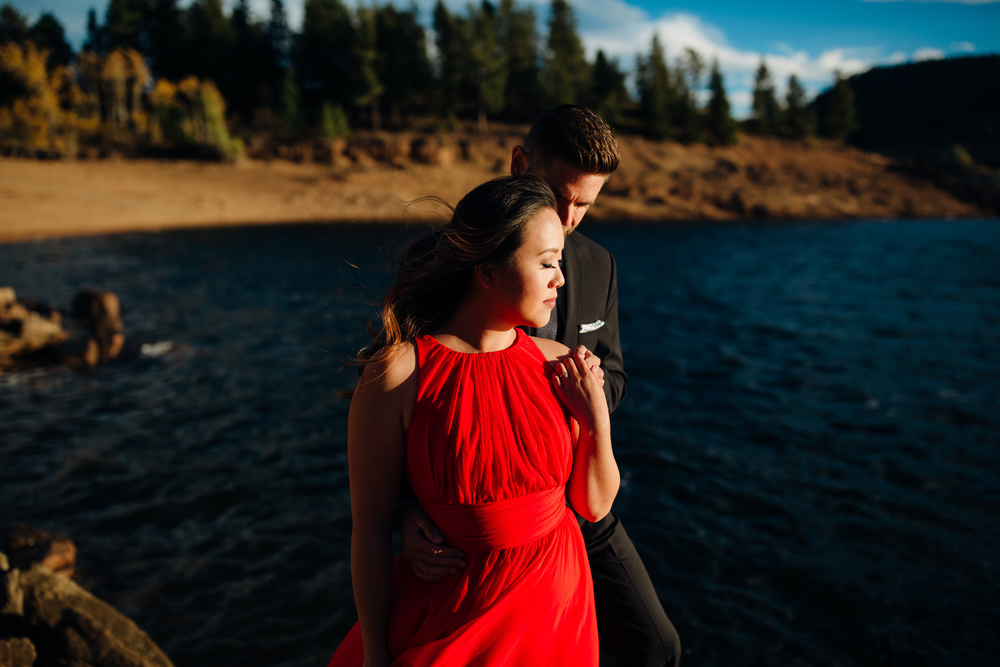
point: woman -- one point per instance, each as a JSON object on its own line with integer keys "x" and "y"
{"x": 470, "y": 406}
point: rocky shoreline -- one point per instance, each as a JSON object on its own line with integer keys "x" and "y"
{"x": 378, "y": 176}
{"x": 47, "y": 620}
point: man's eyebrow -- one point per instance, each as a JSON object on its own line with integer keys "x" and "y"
{"x": 562, "y": 195}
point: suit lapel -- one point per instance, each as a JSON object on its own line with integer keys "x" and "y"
{"x": 574, "y": 276}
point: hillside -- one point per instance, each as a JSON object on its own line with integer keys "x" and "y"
{"x": 376, "y": 176}
{"x": 930, "y": 104}
{"x": 936, "y": 118}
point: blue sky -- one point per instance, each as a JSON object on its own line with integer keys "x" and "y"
{"x": 810, "y": 40}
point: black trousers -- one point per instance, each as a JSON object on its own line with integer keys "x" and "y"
{"x": 632, "y": 625}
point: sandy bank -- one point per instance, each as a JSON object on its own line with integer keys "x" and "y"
{"x": 766, "y": 179}
{"x": 43, "y": 199}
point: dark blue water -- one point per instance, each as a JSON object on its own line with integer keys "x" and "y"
{"x": 809, "y": 443}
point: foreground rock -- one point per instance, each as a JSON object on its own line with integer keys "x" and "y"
{"x": 25, "y": 546}
{"x": 47, "y": 620}
{"x": 34, "y": 333}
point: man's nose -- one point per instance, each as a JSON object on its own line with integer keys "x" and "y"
{"x": 565, "y": 212}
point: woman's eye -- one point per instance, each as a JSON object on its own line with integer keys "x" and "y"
{"x": 548, "y": 266}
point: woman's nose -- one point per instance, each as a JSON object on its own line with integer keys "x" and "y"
{"x": 559, "y": 279}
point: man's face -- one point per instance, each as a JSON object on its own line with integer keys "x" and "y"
{"x": 575, "y": 190}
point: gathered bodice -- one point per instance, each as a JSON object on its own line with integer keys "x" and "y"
{"x": 486, "y": 427}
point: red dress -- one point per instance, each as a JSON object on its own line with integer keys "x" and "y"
{"x": 488, "y": 453}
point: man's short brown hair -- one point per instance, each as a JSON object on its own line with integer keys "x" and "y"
{"x": 577, "y": 136}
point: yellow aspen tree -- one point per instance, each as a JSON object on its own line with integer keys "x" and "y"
{"x": 31, "y": 119}
{"x": 162, "y": 100}
{"x": 137, "y": 75}
{"x": 189, "y": 90}
{"x": 115, "y": 78}
{"x": 88, "y": 66}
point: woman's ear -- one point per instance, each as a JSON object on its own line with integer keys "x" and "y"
{"x": 484, "y": 275}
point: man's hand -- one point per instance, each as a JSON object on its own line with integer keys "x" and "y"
{"x": 592, "y": 361}
{"x": 423, "y": 545}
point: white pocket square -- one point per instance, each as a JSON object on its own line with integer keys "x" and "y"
{"x": 593, "y": 326}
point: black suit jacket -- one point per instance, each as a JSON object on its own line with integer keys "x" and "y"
{"x": 592, "y": 297}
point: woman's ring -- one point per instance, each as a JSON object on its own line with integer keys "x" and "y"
{"x": 564, "y": 374}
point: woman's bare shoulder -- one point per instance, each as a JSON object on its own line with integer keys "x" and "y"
{"x": 390, "y": 368}
{"x": 552, "y": 349}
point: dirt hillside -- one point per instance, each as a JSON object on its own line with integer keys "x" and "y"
{"x": 377, "y": 176}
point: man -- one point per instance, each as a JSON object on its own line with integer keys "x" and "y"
{"x": 575, "y": 152}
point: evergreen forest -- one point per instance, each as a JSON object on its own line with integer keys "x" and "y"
{"x": 195, "y": 80}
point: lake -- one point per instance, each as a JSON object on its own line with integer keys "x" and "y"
{"x": 810, "y": 444}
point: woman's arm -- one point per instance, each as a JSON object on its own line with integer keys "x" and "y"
{"x": 376, "y": 447}
{"x": 594, "y": 480}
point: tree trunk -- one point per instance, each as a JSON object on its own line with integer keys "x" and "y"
{"x": 483, "y": 126}
{"x": 376, "y": 116}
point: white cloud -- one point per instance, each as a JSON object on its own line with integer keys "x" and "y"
{"x": 928, "y": 53}
{"x": 622, "y": 30}
{"x": 963, "y": 47}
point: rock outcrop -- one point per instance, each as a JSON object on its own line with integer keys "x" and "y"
{"x": 34, "y": 333}
{"x": 25, "y": 546}
{"x": 47, "y": 620}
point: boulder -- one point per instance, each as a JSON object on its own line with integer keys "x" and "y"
{"x": 101, "y": 313}
{"x": 47, "y": 619}
{"x": 17, "y": 652}
{"x": 34, "y": 332}
{"x": 28, "y": 545}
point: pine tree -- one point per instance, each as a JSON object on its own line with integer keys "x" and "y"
{"x": 566, "y": 73}
{"x": 124, "y": 25}
{"x": 839, "y": 119}
{"x": 210, "y": 43}
{"x": 48, "y": 35}
{"x": 327, "y": 58}
{"x": 451, "y": 42}
{"x": 13, "y": 25}
{"x": 165, "y": 35}
{"x": 333, "y": 121}
{"x": 607, "y": 88}
{"x": 655, "y": 93}
{"x": 766, "y": 113}
{"x": 487, "y": 69}
{"x": 721, "y": 125}
{"x": 279, "y": 37}
{"x": 799, "y": 119}
{"x": 367, "y": 83}
{"x": 687, "y": 83}
{"x": 277, "y": 55}
{"x": 248, "y": 60}
{"x": 403, "y": 66}
{"x": 519, "y": 44}
{"x": 291, "y": 104}
{"x": 95, "y": 37}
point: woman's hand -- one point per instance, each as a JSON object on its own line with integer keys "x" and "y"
{"x": 592, "y": 360}
{"x": 593, "y": 483}
{"x": 579, "y": 388}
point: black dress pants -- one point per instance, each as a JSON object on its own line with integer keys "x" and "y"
{"x": 631, "y": 623}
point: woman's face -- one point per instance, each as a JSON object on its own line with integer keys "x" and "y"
{"x": 526, "y": 290}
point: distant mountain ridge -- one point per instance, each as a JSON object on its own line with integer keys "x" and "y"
{"x": 908, "y": 109}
